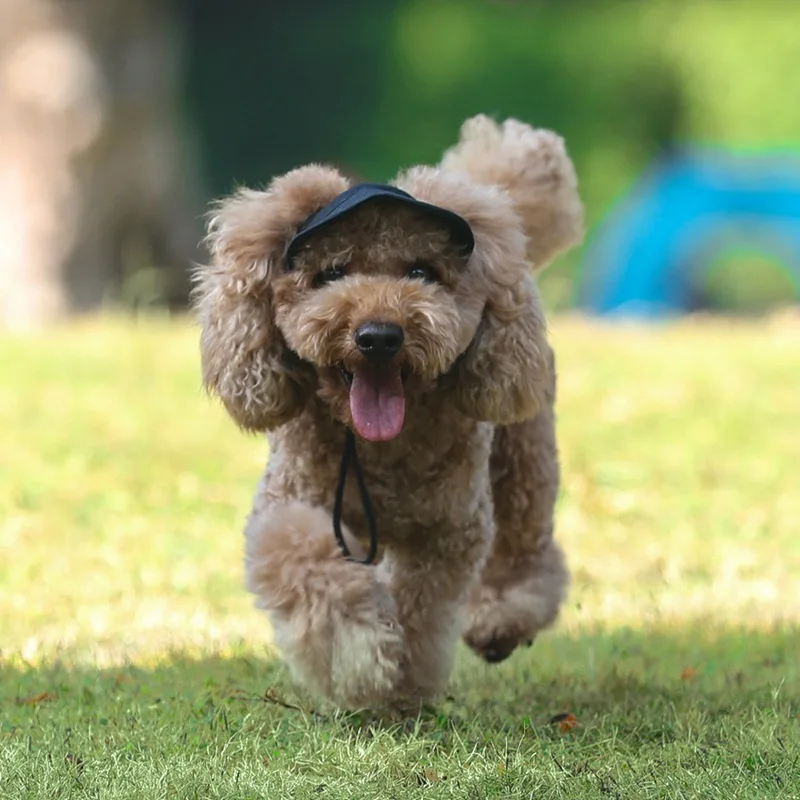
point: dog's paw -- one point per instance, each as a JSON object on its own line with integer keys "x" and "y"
{"x": 498, "y": 621}
{"x": 367, "y": 652}
{"x": 509, "y": 609}
{"x": 494, "y": 646}
{"x": 495, "y": 635}
{"x": 346, "y": 646}
{"x": 335, "y": 624}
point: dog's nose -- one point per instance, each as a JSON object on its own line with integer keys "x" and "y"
{"x": 379, "y": 341}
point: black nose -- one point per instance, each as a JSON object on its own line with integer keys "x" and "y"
{"x": 379, "y": 341}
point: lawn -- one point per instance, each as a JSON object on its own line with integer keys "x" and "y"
{"x": 132, "y": 664}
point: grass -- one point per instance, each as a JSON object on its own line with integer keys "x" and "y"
{"x": 132, "y": 664}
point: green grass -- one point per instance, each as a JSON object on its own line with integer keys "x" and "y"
{"x": 132, "y": 664}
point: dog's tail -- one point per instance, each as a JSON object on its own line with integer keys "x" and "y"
{"x": 533, "y": 166}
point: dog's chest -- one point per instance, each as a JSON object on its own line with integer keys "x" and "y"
{"x": 414, "y": 488}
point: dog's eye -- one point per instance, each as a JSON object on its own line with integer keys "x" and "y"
{"x": 329, "y": 275}
{"x": 421, "y": 272}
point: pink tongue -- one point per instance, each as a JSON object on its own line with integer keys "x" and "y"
{"x": 377, "y": 402}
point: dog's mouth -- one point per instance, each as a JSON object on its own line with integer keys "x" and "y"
{"x": 377, "y": 399}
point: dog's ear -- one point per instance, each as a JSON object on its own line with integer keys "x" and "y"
{"x": 504, "y": 374}
{"x": 245, "y": 360}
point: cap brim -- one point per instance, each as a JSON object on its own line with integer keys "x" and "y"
{"x": 363, "y": 193}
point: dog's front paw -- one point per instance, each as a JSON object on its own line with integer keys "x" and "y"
{"x": 502, "y": 617}
{"x": 494, "y": 646}
{"x": 335, "y": 624}
{"x": 342, "y": 639}
{"x": 367, "y": 650}
{"x": 493, "y": 632}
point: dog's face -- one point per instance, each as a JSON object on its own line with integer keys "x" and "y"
{"x": 381, "y": 304}
{"x": 374, "y": 310}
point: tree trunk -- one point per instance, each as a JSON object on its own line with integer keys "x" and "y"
{"x": 98, "y": 195}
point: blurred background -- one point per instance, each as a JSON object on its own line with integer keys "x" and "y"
{"x": 121, "y": 119}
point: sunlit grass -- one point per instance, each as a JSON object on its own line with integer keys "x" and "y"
{"x": 122, "y": 496}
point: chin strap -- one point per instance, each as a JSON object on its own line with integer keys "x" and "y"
{"x": 349, "y": 454}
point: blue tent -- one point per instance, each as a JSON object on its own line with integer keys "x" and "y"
{"x": 644, "y": 258}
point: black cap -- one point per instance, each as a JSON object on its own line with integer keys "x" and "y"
{"x": 356, "y": 196}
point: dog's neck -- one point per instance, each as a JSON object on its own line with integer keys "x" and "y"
{"x": 439, "y": 450}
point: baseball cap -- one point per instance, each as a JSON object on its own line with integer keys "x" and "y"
{"x": 363, "y": 193}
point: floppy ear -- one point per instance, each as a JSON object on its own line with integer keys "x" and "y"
{"x": 503, "y": 374}
{"x": 245, "y": 360}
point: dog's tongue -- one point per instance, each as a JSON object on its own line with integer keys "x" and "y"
{"x": 377, "y": 402}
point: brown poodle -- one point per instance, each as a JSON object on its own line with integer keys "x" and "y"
{"x": 436, "y": 356}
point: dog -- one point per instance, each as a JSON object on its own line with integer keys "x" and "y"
{"x": 395, "y": 334}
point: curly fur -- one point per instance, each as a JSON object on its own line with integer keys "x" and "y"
{"x": 464, "y": 495}
{"x": 533, "y": 166}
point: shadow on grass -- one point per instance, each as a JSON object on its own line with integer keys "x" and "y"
{"x": 645, "y": 682}
{"x": 691, "y": 711}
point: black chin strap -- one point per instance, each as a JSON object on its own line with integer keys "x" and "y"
{"x": 349, "y": 454}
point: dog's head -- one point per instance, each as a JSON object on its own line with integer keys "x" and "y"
{"x": 381, "y": 303}
{"x": 373, "y": 310}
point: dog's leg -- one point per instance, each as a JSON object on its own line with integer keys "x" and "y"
{"x": 334, "y": 622}
{"x": 430, "y": 583}
{"x": 525, "y": 579}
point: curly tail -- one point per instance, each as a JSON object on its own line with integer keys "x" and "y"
{"x": 533, "y": 166}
